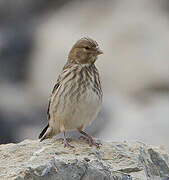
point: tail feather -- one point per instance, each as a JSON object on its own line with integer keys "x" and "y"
{"x": 43, "y": 132}
{"x": 44, "y": 137}
{"x": 48, "y": 132}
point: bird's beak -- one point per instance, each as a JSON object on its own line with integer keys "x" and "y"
{"x": 99, "y": 51}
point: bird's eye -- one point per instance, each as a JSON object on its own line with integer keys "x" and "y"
{"x": 86, "y": 47}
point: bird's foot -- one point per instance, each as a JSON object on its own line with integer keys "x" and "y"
{"x": 91, "y": 141}
{"x": 66, "y": 143}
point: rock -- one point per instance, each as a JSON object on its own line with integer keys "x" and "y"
{"x": 34, "y": 160}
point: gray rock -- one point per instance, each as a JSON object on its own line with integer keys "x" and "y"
{"x": 32, "y": 160}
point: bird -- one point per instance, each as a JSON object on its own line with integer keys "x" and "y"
{"x": 77, "y": 95}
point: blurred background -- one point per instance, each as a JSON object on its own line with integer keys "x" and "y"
{"x": 35, "y": 39}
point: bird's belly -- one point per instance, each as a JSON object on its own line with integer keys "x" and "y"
{"x": 79, "y": 111}
{"x": 84, "y": 113}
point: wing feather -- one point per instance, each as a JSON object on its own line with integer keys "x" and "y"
{"x": 53, "y": 91}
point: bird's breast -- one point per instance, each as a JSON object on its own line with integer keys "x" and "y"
{"x": 78, "y": 99}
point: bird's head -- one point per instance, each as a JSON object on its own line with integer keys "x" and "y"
{"x": 84, "y": 51}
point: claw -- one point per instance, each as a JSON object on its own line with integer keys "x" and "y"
{"x": 66, "y": 144}
{"x": 91, "y": 141}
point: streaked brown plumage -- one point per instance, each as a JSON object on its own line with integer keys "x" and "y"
{"x": 77, "y": 95}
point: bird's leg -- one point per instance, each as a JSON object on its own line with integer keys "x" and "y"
{"x": 65, "y": 141}
{"x": 89, "y": 138}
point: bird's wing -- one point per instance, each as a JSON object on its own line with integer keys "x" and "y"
{"x": 42, "y": 135}
{"x": 58, "y": 82}
{"x": 53, "y": 91}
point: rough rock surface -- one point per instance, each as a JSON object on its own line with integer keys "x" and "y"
{"x": 32, "y": 160}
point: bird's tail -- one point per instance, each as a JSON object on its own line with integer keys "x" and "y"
{"x": 43, "y": 132}
{"x": 46, "y": 133}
